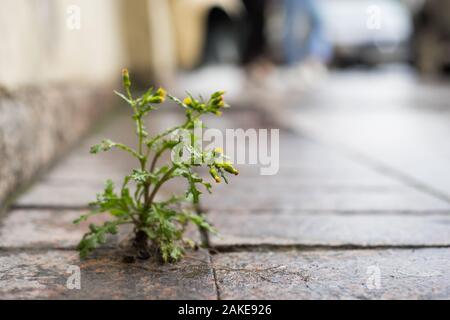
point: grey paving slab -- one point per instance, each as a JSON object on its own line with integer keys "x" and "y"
{"x": 45, "y": 274}
{"x": 307, "y": 162}
{"x": 265, "y": 197}
{"x": 94, "y": 169}
{"x": 54, "y": 229}
{"x": 316, "y": 176}
{"x": 73, "y": 195}
{"x": 349, "y": 274}
{"x": 48, "y": 229}
{"x": 407, "y": 131}
{"x": 75, "y": 182}
{"x": 330, "y": 229}
{"x": 78, "y": 194}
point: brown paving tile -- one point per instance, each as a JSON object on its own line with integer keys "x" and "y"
{"x": 350, "y": 274}
{"x": 44, "y": 275}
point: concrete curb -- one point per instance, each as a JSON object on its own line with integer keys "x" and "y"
{"x": 38, "y": 124}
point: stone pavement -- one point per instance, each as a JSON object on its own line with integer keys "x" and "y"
{"x": 360, "y": 209}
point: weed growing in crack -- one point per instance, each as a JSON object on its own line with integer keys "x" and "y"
{"x": 159, "y": 226}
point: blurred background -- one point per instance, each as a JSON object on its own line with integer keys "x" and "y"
{"x": 299, "y": 61}
{"x": 53, "y": 41}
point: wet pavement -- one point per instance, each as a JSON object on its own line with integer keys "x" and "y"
{"x": 360, "y": 207}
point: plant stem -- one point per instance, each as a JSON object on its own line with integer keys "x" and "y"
{"x": 140, "y": 134}
{"x": 155, "y": 159}
{"x": 159, "y": 184}
{"x": 127, "y": 149}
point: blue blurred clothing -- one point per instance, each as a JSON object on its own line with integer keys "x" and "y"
{"x": 314, "y": 44}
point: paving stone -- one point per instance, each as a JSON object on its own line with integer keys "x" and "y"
{"x": 298, "y": 150}
{"x": 69, "y": 195}
{"x": 78, "y": 194}
{"x": 44, "y": 275}
{"x": 54, "y": 229}
{"x": 336, "y": 274}
{"x": 315, "y": 176}
{"x": 94, "y": 170}
{"x": 408, "y": 134}
{"x": 330, "y": 229}
{"x": 49, "y": 229}
{"x": 424, "y": 160}
{"x": 305, "y": 162}
{"x": 273, "y": 198}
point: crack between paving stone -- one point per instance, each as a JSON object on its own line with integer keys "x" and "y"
{"x": 314, "y": 212}
{"x": 206, "y": 243}
{"x": 215, "y": 277}
{"x": 47, "y": 207}
{"x": 268, "y": 247}
{"x": 218, "y": 249}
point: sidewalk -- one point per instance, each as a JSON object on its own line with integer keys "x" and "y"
{"x": 350, "y": 204}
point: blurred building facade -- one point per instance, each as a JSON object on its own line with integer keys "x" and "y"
{"x": 53, "y": 41}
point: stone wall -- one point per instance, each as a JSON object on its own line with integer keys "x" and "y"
{"x": 38, "y": 124}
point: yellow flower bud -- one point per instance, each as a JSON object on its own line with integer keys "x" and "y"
{"x": 218, "y": 150}
{"x": 126, "y": 78}
{"x": 228, "y": 167}
{"x": 218, "y": 101}
{"x": 162, "y": 93}
{"x": 217, "y": 94}
{"x": 214, "y": 174}
{"x": 187, "y": 101}
{"x": 156, "y": 99}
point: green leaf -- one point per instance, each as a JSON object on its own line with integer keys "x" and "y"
{"x": 200, "y": 221}
{"x": 141, "y": 176}
{"x": 96, "y": 236}
{"x": 105, "y": 145}
{"x": 85, "y": 217}
{"x": 177, "y": 101}
{"x": 123, "y": 97}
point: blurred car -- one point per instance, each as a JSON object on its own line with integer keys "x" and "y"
{"x": 431, "y": 40}
{"x": 365, "y": 31}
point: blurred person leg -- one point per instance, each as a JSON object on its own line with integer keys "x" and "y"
{"x": 293, "y": 46}
{"x": 303, "y": 36}
{"x": 318, "y": 47}
{"x": 259, "y": 69}
{"x": 306, "y": 50}
{"x": 255, "y": 40}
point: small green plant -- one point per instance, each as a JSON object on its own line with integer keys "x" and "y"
{"x": 159, "y": 226}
